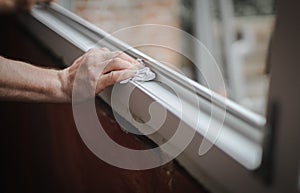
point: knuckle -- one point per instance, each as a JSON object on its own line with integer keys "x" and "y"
{"x": 116, "y": 60}
{"x": 113, "y": 63}
{"x": 91, "y": 56}
{"x": 88, "y": 55}
{"x": 112, "y": 76}
{"x": 90, "y": 69}
{"x": 92, "y": 50}
{"x": 104, "y": 49}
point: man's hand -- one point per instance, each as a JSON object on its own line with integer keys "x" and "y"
{"x": 18, "y": 5}
{"x": 94, "y": 71}
{"x": 87, "y": 76}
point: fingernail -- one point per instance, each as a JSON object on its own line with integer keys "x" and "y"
{"x": 140, "y": 63}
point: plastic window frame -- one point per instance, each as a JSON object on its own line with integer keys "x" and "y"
{"x": 69, "y": 36}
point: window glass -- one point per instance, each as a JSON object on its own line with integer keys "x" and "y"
{"x": 236, "y": 32}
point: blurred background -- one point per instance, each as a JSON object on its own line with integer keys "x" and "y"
{"x": 236, "y": 32}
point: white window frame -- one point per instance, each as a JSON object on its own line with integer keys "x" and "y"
{"x": 227, "y": 165}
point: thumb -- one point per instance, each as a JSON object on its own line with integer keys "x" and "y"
{"x": 112, "y": 78}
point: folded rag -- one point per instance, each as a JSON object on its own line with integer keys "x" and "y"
{"x": 142, "y": 75}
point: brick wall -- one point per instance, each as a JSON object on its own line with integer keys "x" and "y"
{"x": 115, "y": 15}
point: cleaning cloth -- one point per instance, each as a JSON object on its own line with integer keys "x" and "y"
{"x": 142, "y": 75}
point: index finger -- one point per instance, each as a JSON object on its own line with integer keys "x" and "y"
{"x": 128, "y": 58}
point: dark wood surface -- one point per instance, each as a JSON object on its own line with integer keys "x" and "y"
{"x": 41, "y": 150}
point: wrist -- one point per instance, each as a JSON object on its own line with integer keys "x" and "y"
{"x": 64, "y": 93}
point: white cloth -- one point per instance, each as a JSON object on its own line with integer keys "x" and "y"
{"x": 142, "y": 75}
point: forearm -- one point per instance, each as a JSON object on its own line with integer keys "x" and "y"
{"x": 23, "y": 82}
{"x": 99, "y": 68}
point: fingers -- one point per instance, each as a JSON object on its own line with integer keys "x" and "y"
{"x": 96, "y": 55}
{"x": 105, "y": 68}
{"x": 112, "y": 78}
{"x": 116, "y": 54}
{"x": 121, "y": 64}
{"x": 111, "y": 61}
{"x": 127, "y": 58}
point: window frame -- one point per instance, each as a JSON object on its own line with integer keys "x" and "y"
{"x": 68, "y": 36}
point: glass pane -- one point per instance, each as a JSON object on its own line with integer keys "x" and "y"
{"x": 242, "y": 31}
{"x": 236, "y": 32}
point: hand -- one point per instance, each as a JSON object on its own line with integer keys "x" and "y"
{"x": 94, "y": 71}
